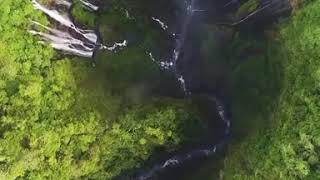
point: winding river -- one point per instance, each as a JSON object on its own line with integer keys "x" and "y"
{"x": 186, "y": 20}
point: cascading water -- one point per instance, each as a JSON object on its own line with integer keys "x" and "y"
{"x": 90, "y": 6}
{"x": 70, "y": 39}
{"x": 179, "y": 38}
{"x": 182, "y": 159}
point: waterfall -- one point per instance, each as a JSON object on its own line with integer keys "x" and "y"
{"x": 80, "y": 42}
{"x": 64, "y": 3}
{"x": 66, "y": 44}
{"x": 90, "y": 6}
{"x": 162, "y": 24}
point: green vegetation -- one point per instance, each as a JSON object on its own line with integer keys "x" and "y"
{"x": 62, "y": 119}
{"x": 83, "y": 16}
{"x": 247, "y": 7}
{"x": 276, "y": 94}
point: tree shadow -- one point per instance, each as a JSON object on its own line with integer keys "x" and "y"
{"x": 256, "y": 83}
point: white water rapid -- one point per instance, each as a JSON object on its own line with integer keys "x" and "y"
{"x": 181, "y": 159}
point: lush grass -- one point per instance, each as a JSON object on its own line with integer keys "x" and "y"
{"x": 279, "y": 92}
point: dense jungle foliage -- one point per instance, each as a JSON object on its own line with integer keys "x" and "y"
{"x": 63, "y": 119}
{"x": 279, "y": 123}
{"x": 60, "y": 118}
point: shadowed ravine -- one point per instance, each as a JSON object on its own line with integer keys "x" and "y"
{"x": 76, "y": 41}
{"x": 184, "y": 23}
{"x": 183, "y": 60}
{"x": 159, "y": 89}
{"x": 187, "y": 19}
{"x": 164, "y": 169}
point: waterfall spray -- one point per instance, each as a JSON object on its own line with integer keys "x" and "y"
{"x": 90, "y": 6}
{"x": 81, "y": 42}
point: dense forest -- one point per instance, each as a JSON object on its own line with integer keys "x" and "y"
{"x": 111, "y": 109}
{"x": 281, "y": 115}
